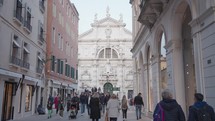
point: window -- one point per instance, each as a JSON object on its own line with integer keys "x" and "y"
{"x": 72, "y": 72}
{"x": 53, "y": 63}
{"x": 108, "y": 52}
{"x": 39, "y": 63}
{"x": 67, "y": 70}
{"x": 101, "y": 54}
{"x": 28, "y": 98}
{"x": 62, "y": 43}
{"x": 26, "y": 54}
{"x": 42, "y": 5}
{"x": 59, "y": 40}
{"x": 54, "y": 10}
{"x": 40, "y": 32}
{"x": 27, "y": 21}
{"x": 61, "y": 66}
{"x": 16, "y": 51}
{"x": 18, "y": 11}
{"x": 53, "y": 34}
{"x": 1, "y": 2}
{"x": 58, "y": 66}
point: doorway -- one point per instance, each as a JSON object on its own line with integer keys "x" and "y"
{"x": 7, "y": 101}
{"x": 108, "y": 88}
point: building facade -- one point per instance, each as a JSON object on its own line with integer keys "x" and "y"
{"x": 183, "y": 32}
{"x": 22, "y": 49}
{"x": 105, "y": 60}
{"x": 62, "y": 48}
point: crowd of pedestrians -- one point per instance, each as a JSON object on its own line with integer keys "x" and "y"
{"x": 98, "y": 104}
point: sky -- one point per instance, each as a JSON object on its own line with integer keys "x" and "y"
{"x": 88, "y": 8}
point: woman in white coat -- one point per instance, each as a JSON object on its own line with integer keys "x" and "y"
{"x": 113, "y": 108}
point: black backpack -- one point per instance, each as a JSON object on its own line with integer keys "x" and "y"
{"x": 202, "y": 114}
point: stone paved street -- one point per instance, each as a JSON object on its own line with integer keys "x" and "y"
{"x": 85, "y": 117}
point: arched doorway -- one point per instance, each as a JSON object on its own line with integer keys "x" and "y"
{"x": 188, "y": 58}
{"x": 108, "y": 88}
{"x": 162, "y": 61}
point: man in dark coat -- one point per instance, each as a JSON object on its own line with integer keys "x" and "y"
{"x": 94, "y": 107}
{"x": 198, "y": 105}
{"x": 138, "y": 102}
{"x": 172, "y": 110}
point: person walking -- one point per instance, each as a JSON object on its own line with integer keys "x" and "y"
{"x": 61, "y": 108}
{"x": 49, "y": 107}
{"x": 83, "y": 101}
{"x": 138, "y": 102}
{"x": 200, "y": 110}
{"x": 95, "y": 114}
{"x": 88, "y": 103}
{"x": 56, "y": 102}
{"x": 102, "y": 102}
{"x": 124, "y": 107}
{"x": 168, "y": 109}
{"x": 113, "y": 108}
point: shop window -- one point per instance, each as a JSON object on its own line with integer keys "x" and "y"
{"x": 28, "y": 98}
{"x": 20, "y": 99}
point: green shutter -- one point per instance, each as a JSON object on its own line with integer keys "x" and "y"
{"x": 72, "y": 72}
{"x": 53, "y": 63}
{"x": 58, "y": 65}
{"x": 61, "y": 67}
{"x": 76, "y": 74}
{"x": 66, "y": 69}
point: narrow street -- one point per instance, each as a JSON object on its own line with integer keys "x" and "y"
{"x": 85, "y": 117}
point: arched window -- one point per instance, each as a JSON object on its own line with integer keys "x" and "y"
{"x": 108, "y": 53}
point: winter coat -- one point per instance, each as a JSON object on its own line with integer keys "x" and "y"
{"x": 124, "y": 104}
{"x": 193, "y": 115}
{"x": 49, "y": 106}
{"x": 94, "y": 107}
{"x": 56, "y": 101}
{"x": 138, "y": 100}
{"x": 172, "y": 110}
{"x": 113, "y": 108}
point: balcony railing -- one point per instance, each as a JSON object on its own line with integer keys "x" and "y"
{"x": 39, "y": 70}
{"x": 18, "y": 16}
{"x": 16, "y": 61}
{"x": 25, "y": 65}
{"x": 28, "y": 26}
{"x": 42, "y": 6}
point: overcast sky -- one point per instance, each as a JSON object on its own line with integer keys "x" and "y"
{"x": 88, "y": 8}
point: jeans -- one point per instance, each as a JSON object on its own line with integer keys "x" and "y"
{"x": 82, "y": 108}
{"x": 124, "y": 113}
{"x": 113, "y": 119}
{"x": 95, "y": 119}
{"x": 103, "y": 109}
{"x": 138, "y": 111}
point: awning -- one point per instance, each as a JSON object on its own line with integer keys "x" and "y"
{"x": 16, "y": 44}
{"x": 26, "y": 50}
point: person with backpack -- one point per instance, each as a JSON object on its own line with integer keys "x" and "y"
{"x": 124, "y": 107}
{"x": 168, "y": 109}
{"x": 200, "y": 110}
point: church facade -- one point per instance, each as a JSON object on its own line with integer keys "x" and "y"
{"x": 104, "y": 57}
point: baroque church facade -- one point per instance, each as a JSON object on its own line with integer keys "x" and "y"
{"x": 104, "y": 57}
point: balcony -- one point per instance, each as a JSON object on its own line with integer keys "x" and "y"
{"x": 42, "y": 6}
{"x": 25, "y": 65}
{"x": 27, "y": 27}
{"x": 16, "y": 61}
{"x": 18, "y": 17}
